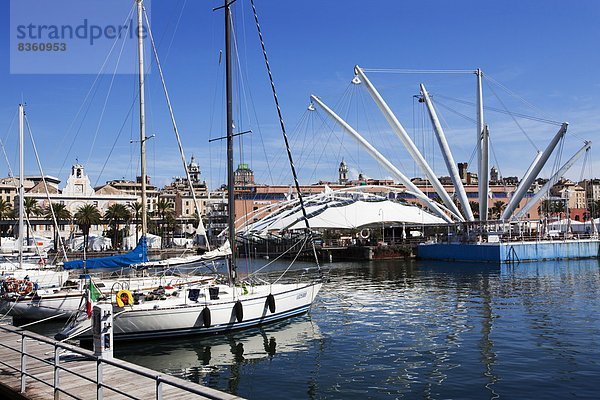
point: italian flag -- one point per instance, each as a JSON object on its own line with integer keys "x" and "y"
{"x": 93, "y": 294}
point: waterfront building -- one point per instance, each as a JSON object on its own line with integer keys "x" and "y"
{"x": 179, "y": 195}
{"x": 574, "y": 197}
{"x": 133, "y": 188}
{"x": 592, "y": 189}
{"x": 77, "y": 192}
{"x": 243, "y": 176}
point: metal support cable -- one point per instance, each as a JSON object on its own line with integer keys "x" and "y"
{"x": 418, "y": 71}
{"x": 176, "y": 131}
{"x": 297, "y": 184}
{"x": 513, "y": 118}
{"x": 54, "y": 220}
{"x": 10, "y": 172}
{"x": 104, "y": 106}
{"x": 91, "y": 91}
{"x": 498, "y": 110}
{"x": 522, "y": 99}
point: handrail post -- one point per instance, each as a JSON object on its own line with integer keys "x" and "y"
{"x": 159, "y": 386}
{"x": 56, "y": 372}
{"x": 99, "y": 391}
{"x": 23, "y": 362}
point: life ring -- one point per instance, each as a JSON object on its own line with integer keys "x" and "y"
{"x": 10, "y": 285}
{"x": 124, "y": 298}
{"x": 365, "y": 233}
{"x": 23, "y": 287}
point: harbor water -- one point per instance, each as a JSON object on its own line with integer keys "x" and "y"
{"x": 406, "y": 329}
{"x": 399, "y": 329}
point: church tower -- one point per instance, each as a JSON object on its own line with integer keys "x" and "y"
{"x": 343, "y": 173}
{"x": 194, "y": 170}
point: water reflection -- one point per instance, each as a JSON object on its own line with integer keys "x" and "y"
{"x": 399, "y": 329}
{"x": 204, "y": 359}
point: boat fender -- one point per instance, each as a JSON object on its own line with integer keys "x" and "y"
{"x": 11, "y": 285}
{"x": 365, "y": 233}
{"x": 238, "y": 311}
{"x": 206, "y": 317}
{"x": 271, "y": 302}
{"x": 124, "y": 298}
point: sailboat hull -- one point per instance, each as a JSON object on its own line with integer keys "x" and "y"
{"x": 62, "y": 307}
{"x": 172, "y": 318}
{"x": 63, "y": 304}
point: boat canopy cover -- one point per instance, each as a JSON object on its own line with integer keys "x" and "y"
{"x": 136, "y": 256}
{"x": 216, "y": 254}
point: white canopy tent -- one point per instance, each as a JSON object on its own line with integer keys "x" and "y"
{"x": 566, "y": 225}
{"x": 154, "y": 241}
{"x": 348, "y": 213}
{"x": 95, "y": 243}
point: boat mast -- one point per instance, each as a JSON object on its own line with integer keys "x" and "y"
{"x": 21, "y": 180}
{"x": 230, "y": 173}
{"x": 140, "y": 28}
{"x": 482, "y": 157}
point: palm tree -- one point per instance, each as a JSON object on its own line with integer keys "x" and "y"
{"x": 86, "y": 216}
{"x": 115, "y": 215}
{"x": 497, "y": 208}
{"x": 163, "y": 208}
{"x": 551, "y": 207}
{"x": 62, "y": 214}
{"x": 474, "y": 208}
{"x": 170, "y": 223}
{"x": 5, "y": 212}
{"x": 31, "y": 207}
{"x": 136, "y": 209}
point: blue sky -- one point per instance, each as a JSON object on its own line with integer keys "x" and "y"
{"x": 546, "y": 52}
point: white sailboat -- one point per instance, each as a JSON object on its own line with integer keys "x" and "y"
{"x": 19, "y": 276}
{"x": 212, "y": 307}
{"x": 30, "y": 293}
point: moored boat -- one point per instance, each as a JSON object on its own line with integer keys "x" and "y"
{"x": 211, "y": 307}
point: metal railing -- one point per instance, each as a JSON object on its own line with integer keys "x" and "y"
{"x": 160, "y": 380}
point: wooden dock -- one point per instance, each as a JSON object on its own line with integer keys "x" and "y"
{"x": 35, "y": 367}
